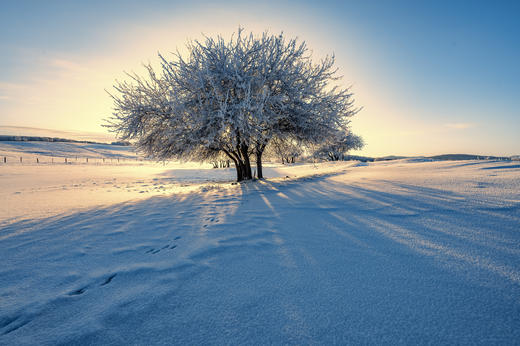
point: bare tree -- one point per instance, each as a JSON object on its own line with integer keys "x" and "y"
{"x": 231, "y": 97}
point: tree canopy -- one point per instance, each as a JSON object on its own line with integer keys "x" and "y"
{"x": 232, "y": 97}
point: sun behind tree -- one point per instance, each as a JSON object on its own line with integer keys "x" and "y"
{"x": 232, "y": 97}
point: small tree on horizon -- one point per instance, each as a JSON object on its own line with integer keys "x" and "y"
{"x": 231, "y": 97}
{"x": 337, "y": 146}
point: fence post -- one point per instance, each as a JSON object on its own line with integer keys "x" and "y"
{"x": 20, "y": 159}
{"x": 87, "y": 159}
{"x": 5, "y": 159}
{"x": 65, "y": 160}
{"x": 37, "y": 160}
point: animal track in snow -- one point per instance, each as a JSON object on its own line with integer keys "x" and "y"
{"x": 82, "y": 290}
{"x": 12, "y": 323}
{"x": 209, "y": 221}
{"x": 78, "y": 291}
{"x": 108, "y": 280}
{"x": 154, "y": 251}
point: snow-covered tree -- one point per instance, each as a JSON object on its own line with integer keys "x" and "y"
{"x": 336, "y": 147}
{"x": 286, "y": 151}
{"x": 231, "y": 97}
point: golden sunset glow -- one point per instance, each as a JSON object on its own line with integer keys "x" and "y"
{"x": 402, "y": 115}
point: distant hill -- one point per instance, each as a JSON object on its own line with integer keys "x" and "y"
{"x": 33, "y": 134}
{"x": 371, "y": 159}
{"x": 444, "y": 157}
{"x": 30, "y": 150}
{"x": 80, "y": 136}
{"x": 390, "y": 157}
{"x": 53, "y": 139}
{"x": 456, "y": 157}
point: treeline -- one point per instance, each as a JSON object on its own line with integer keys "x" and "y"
{"x": 5, "y": 138}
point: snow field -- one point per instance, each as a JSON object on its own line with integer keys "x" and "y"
{"x": 399, "y": 252}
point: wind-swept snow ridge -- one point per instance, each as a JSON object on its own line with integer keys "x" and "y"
{"x": 386, "y": 253}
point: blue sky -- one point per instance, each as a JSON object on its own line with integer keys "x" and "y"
{"x": 433, "y": 77}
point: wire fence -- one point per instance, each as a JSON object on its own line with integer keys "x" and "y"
{"x": 69, "y": 160}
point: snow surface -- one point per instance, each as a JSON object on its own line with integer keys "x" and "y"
{"x": 397, "y": 252}
{"x": 75, "y": 152}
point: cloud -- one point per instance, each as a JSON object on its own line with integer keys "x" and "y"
{"x": 459, "y": 126}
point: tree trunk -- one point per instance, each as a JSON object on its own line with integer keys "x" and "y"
{"x": 239, "y": 164}
{"x": 259, "y": 164}
{"x": 240, "y": 171}
{"x": 238, "y": 167}
{"x": 247, "y": 174}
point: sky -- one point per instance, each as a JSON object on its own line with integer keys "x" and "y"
{"x": 433, "y": 77}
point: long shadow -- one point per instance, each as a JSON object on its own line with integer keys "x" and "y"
{"x": 443, "y": 225}
{"x": 429, "y": 241}
{"x": 473, "y": 163}
{"x": 305, "y": 222}
{"x": 502, "y": 167}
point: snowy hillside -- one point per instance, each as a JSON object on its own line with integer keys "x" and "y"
{"x": 396, "y": 252}
{"x": 39, "y": 132}
{"x": 75, "y": 152}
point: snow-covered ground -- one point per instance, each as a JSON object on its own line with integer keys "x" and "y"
{"x": 398, "y": 252}
{"x": 56, "y": 152}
